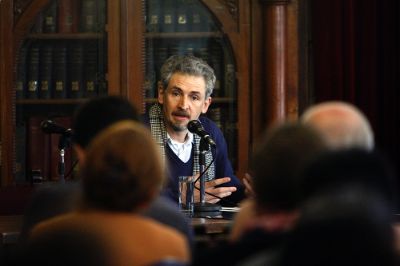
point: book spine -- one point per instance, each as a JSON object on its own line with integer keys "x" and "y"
{"x": 46, "y": 71}
{"x": 60, "y": 71}
{"x": 76, "y": 71}
{"x": 37, "y": 150}
{"x": 101, "y": 16}
{"x": 215, "y": 115}
{"x": 88, "y": 16}
{"x": 75, "y": 15}
{"x": 153, "y": 16}
{"x": 215, "y": 61}
{"x": 101, "y": 61}
{"x": 33, "y": 72}
{"x": 161, "y": 55}
{"x": 190, "y": 49}
{"x": 168, "y": 16}
{"x": 65, "y": 13}
{"x": 182, "y": 18}
{"x": 20, "y": 152}
{"x": 90, "y": 71}
{"x": 196, "y": 15}
{"x": 38, "y": 26}
{"x": 229, "y": 74}
{"x": 50, "y": 18}
{"x": 21, "y": 82}
{"x": 150, "y": 76}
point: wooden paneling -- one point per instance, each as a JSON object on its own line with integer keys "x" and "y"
{"x": 6, "y": 85}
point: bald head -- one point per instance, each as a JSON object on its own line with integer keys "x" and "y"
{"x": 341, "y": 124}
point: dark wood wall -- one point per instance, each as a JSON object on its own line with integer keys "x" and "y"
{"x": 356, "y": 58}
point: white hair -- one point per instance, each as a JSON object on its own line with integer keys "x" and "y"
{"x": 341, "y": 124}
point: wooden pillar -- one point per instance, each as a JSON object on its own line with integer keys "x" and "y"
{"x": 6, "y": 85}
{"x": 274, "y": 16}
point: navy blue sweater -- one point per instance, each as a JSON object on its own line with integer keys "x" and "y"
{"x": 223, "y": 167}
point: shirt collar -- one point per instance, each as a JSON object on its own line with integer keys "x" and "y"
{"x": 188, "y": 140}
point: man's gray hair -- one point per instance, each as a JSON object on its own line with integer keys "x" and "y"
{"x": 341, "y": 124}
{"x": 190, "y": 65}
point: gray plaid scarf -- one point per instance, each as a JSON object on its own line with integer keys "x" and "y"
{"x": 159, "y": 133}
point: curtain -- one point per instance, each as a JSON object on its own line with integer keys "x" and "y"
{"x": 356, "y": 57}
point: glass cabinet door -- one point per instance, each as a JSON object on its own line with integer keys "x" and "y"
{"x": 188, "y": 27}
{"x": 61, "y": 62}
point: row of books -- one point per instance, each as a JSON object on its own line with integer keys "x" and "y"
{"x": 37, "y": 154}
{"x": 68, "y": 16}
{"x": 212, "y": 53}
{"x": 57, "y": 70}
{"x": 227, "y": 122}
{"x": 178, "y": 16}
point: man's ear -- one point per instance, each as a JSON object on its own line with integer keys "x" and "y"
{"x": 160, "y": 88}
{"x": 206, "y": 104}
{"x": 80, "y": 153}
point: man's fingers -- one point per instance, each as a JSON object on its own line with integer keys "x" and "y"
{"x": 248, "y": 186}
{"x": 221, "y": 190}
{"x": 218, "y": 181}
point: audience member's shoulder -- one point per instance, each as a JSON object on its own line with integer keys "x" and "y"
{"x": 165, "y": 211}
{"x": 54, "y": 223}
{"x": 48, "y": 201}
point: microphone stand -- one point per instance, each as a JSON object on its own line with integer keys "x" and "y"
{"x": 63, "y": 143}
{"x": 203, "y": 208}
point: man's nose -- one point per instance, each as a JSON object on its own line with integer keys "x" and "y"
{"x": 183, "y": 103}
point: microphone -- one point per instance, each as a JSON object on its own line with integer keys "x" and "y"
{"x": 49, "y": 127}
{"x": 195, "y": 127}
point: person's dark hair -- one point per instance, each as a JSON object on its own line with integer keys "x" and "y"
{"x": 123, "y": 168}
{"x": 277, "y": 162}
{"x": 346, "y": 226}
{"x": 354, "y": 167}
{"x": 97, "y": 114}
{"x": 66, "y": 246}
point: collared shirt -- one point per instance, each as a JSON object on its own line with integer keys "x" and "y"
{"x": 182, "y": 150}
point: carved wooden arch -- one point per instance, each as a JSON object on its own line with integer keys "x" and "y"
{"x": 234, "y": 16}
{"x": 25, "y": 19}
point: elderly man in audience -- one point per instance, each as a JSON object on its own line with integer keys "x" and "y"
{"x": 341, "y": 125}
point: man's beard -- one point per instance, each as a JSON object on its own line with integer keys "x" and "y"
{"x": 177, "y": 128}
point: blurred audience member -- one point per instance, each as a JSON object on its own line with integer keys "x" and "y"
{"x": 341, "y": 124}
{"x": 55, "y": 199}
{"x": 47, "y": 201}
{"x": 65, "y": 246}
{"x": 351, "y": 167}
{"x": 118, "y": 184}
{"x": 342, "y": 226}
{"x": 276, "y": 163}
{"x": 97, "y": 114}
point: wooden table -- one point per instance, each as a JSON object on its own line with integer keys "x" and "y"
{"x": 205, "y": 228}
{"x": 209, "y": 232}
{"x": 211, "y": 225}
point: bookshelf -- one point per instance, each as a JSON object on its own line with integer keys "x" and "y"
{"x": 127, "y": 45}
{"x": 59, "y": 52}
